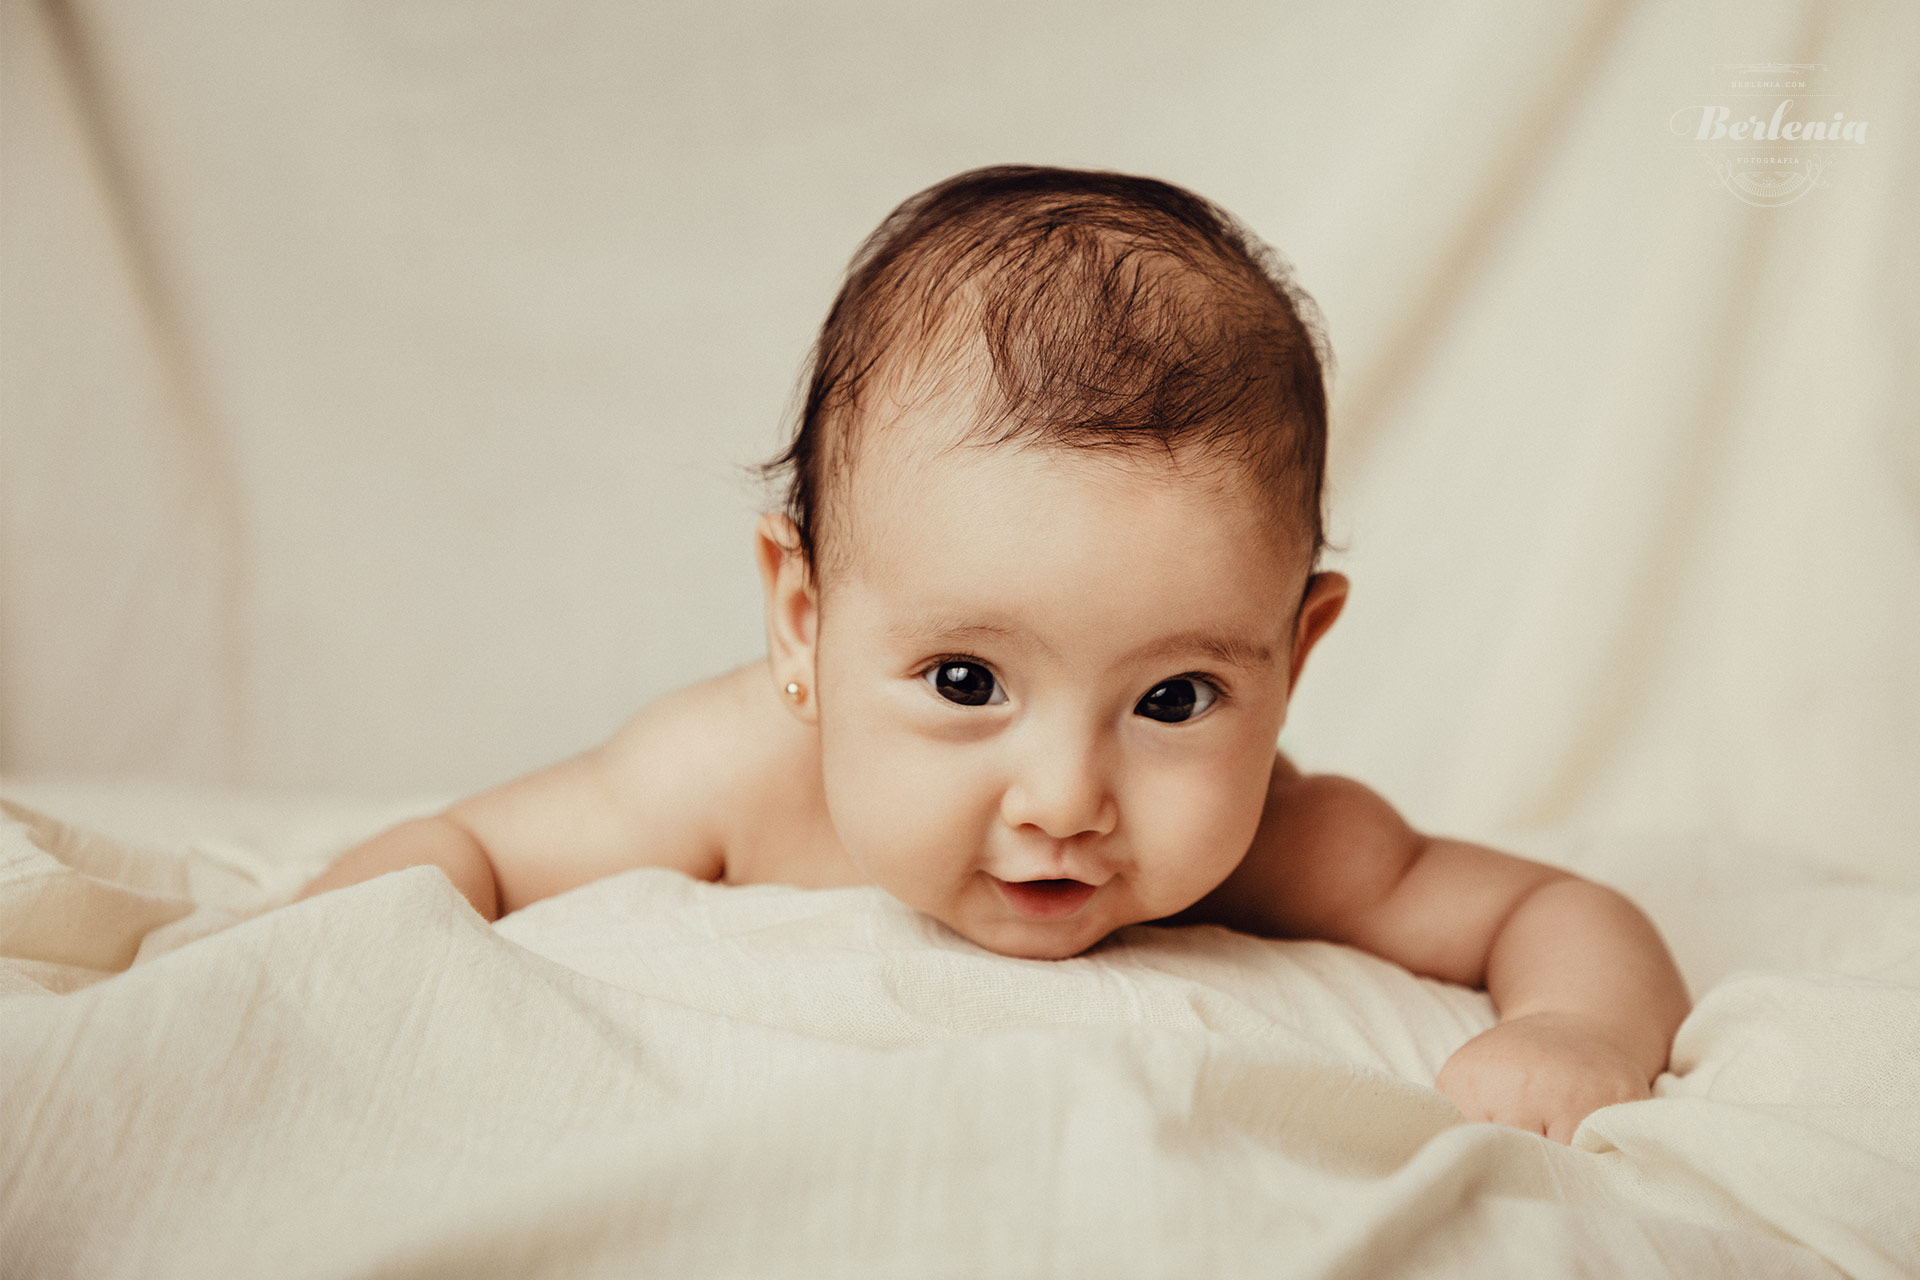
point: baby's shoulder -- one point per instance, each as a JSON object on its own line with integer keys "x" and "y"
{"x": 761, "y": 783}
{"x": 691, "y": 728}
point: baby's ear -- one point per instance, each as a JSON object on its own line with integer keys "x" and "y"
{"x": 792, "y": 612}
{"x": 775, "y": 538}
{"x": 1326, "y": 597}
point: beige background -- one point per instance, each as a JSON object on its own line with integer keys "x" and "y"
{"x": 376, "y": 379}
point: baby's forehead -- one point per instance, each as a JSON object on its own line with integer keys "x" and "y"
{"x": 917, "y": 482}
{"x": 955, "y": 425}
{"x": 1077, "y": 556}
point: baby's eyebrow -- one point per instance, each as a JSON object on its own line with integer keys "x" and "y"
{"x": 1248, "y": 655}
{"x": 926, "y": 630}
{"x": 1233, "y": 651}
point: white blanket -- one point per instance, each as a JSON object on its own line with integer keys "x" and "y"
{"x": 654, "y": 1076}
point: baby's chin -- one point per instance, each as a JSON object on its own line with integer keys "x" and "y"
{"x": 1037, "y": 939}
{"x": 1062, "y": 947}
{"x": 985, "y": 918}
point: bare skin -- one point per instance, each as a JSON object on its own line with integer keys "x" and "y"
{"x": 1124, "y": 752}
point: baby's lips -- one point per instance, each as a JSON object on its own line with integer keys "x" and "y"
{"x": 1053, "y": 899}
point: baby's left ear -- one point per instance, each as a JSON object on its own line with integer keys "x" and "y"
{"x": 1326, "y": 597}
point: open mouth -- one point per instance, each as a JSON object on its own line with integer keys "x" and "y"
{"x": 1045, "y": 899}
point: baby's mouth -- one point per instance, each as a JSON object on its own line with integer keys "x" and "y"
{"x": 1045, "y": 899}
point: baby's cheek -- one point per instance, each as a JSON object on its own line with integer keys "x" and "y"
{"x": 1196, "y": 828}
{"x": 900, "y": 813}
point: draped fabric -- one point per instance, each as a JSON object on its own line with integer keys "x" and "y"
{"x": 378, "y": 380}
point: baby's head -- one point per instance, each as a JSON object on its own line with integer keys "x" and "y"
{"x": 1045, "y": 576}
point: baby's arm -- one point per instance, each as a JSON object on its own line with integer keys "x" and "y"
{"x": 641, "y": 799}
{"x": 1588, "y": 995}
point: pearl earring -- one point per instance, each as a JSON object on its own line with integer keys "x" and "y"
{"x": 795, "y": 690}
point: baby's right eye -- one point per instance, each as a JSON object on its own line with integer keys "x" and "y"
{"x": 965, "y": 682}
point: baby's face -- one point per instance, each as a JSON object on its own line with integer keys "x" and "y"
{"x": 1056, "y": 668}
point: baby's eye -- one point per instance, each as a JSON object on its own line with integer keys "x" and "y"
{"x": 1177, "y": 700}
{"x": 963, "y": 681}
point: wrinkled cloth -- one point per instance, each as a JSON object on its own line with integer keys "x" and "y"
{"x": 654, "y": 1075}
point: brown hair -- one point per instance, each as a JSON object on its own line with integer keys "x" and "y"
{"x": 1117, "y": 312}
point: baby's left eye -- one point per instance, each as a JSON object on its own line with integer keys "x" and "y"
{"x": 1178, "y": 700}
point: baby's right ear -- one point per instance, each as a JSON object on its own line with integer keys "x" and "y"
{"x": 792, "y": 611}
{"x": 775, "y": 539}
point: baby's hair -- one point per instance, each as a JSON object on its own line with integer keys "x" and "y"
{"x": 1114, "y": 312}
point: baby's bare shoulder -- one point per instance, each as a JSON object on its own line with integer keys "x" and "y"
{"x": 746, "y": 775}
{"x": 654, "y": 794}
{"x": 694, "y": 744}
{"x": 697, "y": 720}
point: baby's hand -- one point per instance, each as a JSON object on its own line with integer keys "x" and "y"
{"x": 1543, "y": 1072}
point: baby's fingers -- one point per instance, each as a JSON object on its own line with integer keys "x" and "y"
{"x": 1482, "y": 1104}
{"x": 1519, "y": 1114}
{"x": 1554, "y": 1118}
{"x": 1559, "y": 1118}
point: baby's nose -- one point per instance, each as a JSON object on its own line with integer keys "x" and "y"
{"x": 1061, "y": 789}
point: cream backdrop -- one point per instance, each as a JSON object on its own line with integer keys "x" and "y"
{"x": 378, "y": 377}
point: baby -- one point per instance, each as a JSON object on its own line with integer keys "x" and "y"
{"x": 1045, "y": 580}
